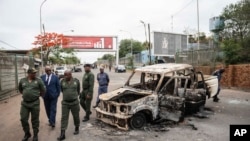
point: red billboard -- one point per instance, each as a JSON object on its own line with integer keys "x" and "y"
{"x": 88, "y": 42}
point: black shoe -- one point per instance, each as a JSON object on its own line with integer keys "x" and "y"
{"x": 86, "y": 118}
{"x": 216, "y": 99}
{"x": 35, "y": 137}
{"x": 95, "y": 106}
{"x": 76, "y": 131}
{"x": 52, "y": 125}
{"x": 26, "y": 136}
{"x": 62, "y": 136}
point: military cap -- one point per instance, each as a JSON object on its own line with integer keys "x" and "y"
{"x": 87, "y": 65}
{"x": 31, "y": 70}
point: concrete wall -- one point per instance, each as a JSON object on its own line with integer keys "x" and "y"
{"x": 11, "y": 71}
{"x": 234, "y": 75}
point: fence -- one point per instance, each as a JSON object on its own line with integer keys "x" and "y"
{"x": 204, "y": 57}
{"x": 137, "y": 60}
{"x": 11, "y": 71}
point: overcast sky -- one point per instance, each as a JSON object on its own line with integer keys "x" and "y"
{"x": 19, "y": 19}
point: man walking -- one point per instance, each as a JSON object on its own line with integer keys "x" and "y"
{"x": 87, "y": 91}
{"x": 103, "y": 80}
{"x": 31, "y": 89}
{"x": 218, "y": 73}
{"x": 52, "y": 84}
{"x": 70, "y": 89}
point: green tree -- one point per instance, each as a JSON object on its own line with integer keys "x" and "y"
{"x": 231, "y": 52}
{"x": 236, "y": 35}
{"x": 125, "y": 47}
{"x": 108, "y": 57}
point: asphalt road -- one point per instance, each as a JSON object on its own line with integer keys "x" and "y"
{"x": 234, "y": 108}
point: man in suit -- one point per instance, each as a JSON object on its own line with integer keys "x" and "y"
{"x": 52, "y": 84}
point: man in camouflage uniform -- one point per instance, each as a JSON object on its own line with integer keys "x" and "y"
{"x": 70, "y": 88}
{"x": 31, "y": 88}
{"x": 87, "y": 91}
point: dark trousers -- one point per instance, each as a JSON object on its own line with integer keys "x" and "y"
{"x": 27, "y": 109}
{"x": 101, "y": 90}
{"x": 50, "y": 107}
{"x": 85, "y": 103}
{"x": 66, "y": 108}
{"x": 218, "y": 92}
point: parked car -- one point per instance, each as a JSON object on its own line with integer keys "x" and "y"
{"x": 120, "y": 68}
{"x": 163, "y": 91}
{"x": 60, "y": 71}
{"x": 77, "y": 69}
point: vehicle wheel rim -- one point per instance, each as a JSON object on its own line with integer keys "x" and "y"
{"x": 138, "y": 121}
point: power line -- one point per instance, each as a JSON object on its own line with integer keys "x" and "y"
{"x": 8, "y": 44}
{"x": 183, "y": 8}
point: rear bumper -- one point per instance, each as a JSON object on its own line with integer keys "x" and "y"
{"x": 118, "y": 120}
{"x": 121, "y": 70}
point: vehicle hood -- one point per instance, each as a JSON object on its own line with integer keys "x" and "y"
{"x": 115, "y": 93}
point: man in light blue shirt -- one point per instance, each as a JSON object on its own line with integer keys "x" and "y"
{"x": 103, "y": 81}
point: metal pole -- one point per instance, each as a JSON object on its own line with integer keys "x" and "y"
{"x": 41, "y": 32}
{"x": 145, "y": 32}
{"x": 16, "y": 73}
{"x": 198, "y": 24}
{"x": 117, "y": 51}
{"x": 131, "y": 46}
{"x": 149, "y": 45}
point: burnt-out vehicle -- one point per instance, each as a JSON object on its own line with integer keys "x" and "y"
{"x": 162, "y": 91}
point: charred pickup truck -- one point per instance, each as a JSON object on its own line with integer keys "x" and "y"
{"x": 162, "y": 91}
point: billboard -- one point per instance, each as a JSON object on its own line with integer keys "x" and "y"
{"x": 167, "y": 44}
{"x": 89, "y": 42}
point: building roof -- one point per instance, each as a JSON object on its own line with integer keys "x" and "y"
{"x": 15, "y": 51}
{"x": 163, "y": 68}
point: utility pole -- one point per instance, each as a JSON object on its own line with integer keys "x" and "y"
{"x": 41, "y": 32}
{"x": 198, "y": 23}
{"x": 198, "y": 39}
{"x": 149, "y": 45}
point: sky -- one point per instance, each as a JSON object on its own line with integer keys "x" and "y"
{"x": 20, "y": 19}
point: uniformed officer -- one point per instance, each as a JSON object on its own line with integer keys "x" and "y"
{"x": 70, "y": 88}
{"x": 31, "y": 88}
{"x": 87, "y": 91}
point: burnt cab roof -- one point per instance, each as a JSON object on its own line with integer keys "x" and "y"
{"x": 163, "y": 68}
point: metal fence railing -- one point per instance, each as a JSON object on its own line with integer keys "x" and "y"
{"x": 204, "y": 57}
{"x": 137, "y": 60}
{"x": 11, "y": 71}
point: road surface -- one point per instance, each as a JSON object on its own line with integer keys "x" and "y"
{"x": 234, "y": 108}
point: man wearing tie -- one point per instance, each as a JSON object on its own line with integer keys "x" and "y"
{"x": 52, "y": 84}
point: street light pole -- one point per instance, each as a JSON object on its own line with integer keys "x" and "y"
{"x": 145, "y": 30}
{"x": 198, "y": 24}
{"x": 148, "y": 44}
{"x": 41, "y": 31}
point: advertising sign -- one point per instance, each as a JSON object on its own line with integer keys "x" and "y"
{"x": 89, "y": 42}
{"x": 167, "y": 44}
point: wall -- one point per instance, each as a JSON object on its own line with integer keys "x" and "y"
{"x": 234, "y": 75}
{"x": 11, "y": 71}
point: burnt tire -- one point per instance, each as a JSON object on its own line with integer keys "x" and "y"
{"x": 137, "y": 121}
